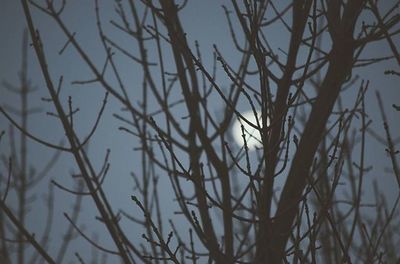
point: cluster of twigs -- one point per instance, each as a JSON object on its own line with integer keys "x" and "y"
{"x": 236, "y": 212}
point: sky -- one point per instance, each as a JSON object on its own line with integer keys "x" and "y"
{"x": 203, "y": 21}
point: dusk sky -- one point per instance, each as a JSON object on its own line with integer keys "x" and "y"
{"x": 203, "y": 21}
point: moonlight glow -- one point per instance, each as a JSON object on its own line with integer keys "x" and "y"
{"x": 253, "y": 136}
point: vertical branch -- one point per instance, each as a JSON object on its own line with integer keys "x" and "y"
{"x": 22, "y": 173}
{"x": 340, "y": 65}
{"x": 182, "y": 55}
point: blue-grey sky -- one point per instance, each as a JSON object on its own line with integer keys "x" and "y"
{"x": 203, "y": 21}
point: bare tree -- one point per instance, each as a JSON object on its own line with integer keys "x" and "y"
{"x": 309, "y": 135}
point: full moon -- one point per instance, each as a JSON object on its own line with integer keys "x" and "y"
{"x": 253, "y": 136}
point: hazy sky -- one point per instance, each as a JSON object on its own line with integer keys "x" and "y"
{"x": 203, "y": 21}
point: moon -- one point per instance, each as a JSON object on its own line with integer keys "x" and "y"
{"x": 253, "y": 136}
